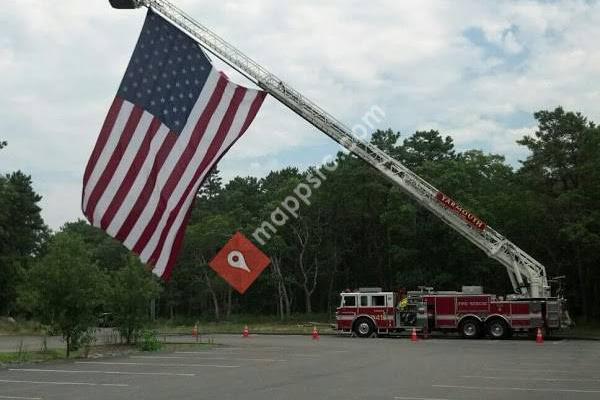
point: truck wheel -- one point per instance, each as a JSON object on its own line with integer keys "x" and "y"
{"x": 363, "y": 327}
{"x": 498, "y": 329}
{"x": 470, "y": 328}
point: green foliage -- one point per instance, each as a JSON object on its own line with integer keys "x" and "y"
{"x": 22, "y": 233}
{"x": 563, "y": 171}
{"x": 359, "y": 230}
{"x": 106, "y": 252}
{"x": 131, "y": 289}
{"x": 427, "y": 146}
{"x": 21, "y": 356}
{"x": 149, "y": 341}
{"x": 64, "y": 288}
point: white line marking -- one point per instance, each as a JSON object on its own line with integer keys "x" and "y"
{"x": 306, "y": 355}
{"x": 157, "y": 365}
{"x": 197, "y": 352}
{"x": 210, "y": 358}
{"x": 554, "y": 371}
{"x": 64, "y": 383}
{"x": 416, "y": 398}
{"x": 521, "y": 378}
{"x": 556, "y": 361}
{"x": 21, "y": 398}
{"x": 230, "y": 349}
{"x": 71, "y": 371}
{"x": 518, "y": 389}
{"x": 221, "y": 348}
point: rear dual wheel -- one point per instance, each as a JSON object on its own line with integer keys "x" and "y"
{"x": 498, "y": 329}
{"x": 470, "y": 328}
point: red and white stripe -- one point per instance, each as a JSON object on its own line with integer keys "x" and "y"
{"x": 142, "y": 178}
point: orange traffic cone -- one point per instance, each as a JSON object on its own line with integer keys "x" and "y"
{"x": 315, "y": 333}
{"x": 245, "y": 332}
{"x": 413, "y": 336}
{"x": 195, "y": 332}
{"x": 539, "y": 338}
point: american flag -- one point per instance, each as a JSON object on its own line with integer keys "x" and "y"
{"x": 174, "y": 116}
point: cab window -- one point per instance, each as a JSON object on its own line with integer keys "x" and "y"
{"x": 364, "y": 301}
{"x": 378, "y": 301}
{"x": 349, "y": 301}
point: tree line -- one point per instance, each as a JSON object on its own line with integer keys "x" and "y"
{"x": 355, "y": 229}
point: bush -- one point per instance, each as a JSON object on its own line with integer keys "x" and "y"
{"x": 64, "y": 288}
{"x": 132, "y": 289}
{"x": 149, "y": 341}
{"x": 86, "y": 341}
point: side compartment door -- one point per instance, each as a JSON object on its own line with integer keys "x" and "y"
{"x": 445, "y": 312}
{"x": 390, "y": 310}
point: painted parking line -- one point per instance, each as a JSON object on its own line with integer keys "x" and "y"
{"x": 555, "y": 361}
{"x": 417, "y": 398}
{"x": 209, "y": 358}
{"x": 157, "y": 364}
{"x": 522, "y": 378}
{"x": 552, "y": 371}
{"x": 307, "y": 356}
{"x": 20, "y": 398}
{"x": 518, "y": 389}
{"x": 75, "y": 371}
{"x": 64, "y": 383}
{"x": 216, "y": 349}
{"x": 231, "y": 349}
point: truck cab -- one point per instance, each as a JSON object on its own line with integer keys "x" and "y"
{"x": 369, "y": 311}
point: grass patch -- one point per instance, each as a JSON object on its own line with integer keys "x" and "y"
{"x": 26, "y": 356}
{"x": 32, "y": 356}
{"x": 21, "y": 356}
{"x": 20, "y": 328}
{"x": 299, "y": 324}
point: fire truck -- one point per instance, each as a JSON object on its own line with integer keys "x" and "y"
{"x": 370, "y": 311}
{"x": 532, "y": 304}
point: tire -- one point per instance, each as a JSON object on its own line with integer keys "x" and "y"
{"x": 497, "y": 328}
{"x": 470, "y": 328}
{"x": 363, "y": 327}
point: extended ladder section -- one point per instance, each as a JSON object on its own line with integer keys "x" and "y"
{"x": 527, "y": 275}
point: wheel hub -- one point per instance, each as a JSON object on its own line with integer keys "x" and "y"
{"x": 470, "y": 329}
{"x": 363, "y": 328}
{"x": 497, "y": 330}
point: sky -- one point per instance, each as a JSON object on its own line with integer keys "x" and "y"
{"x": 474, "y": 70}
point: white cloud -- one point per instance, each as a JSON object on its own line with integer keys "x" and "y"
{"x": 61, "y": 63}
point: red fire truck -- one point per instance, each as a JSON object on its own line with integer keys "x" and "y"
{"x": 471, "y": 313}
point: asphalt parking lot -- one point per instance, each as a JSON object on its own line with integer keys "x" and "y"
{"x": 296, "y": 367}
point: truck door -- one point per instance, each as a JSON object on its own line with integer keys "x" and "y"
{"x": 347, "y": 311}
{"x": 379, "y": 310}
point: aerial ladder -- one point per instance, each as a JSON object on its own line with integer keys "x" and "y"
{"x": 527, "y": 275}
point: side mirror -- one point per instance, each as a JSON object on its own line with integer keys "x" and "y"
{"x": 124, "y": 4}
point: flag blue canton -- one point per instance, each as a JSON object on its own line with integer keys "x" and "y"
{"x": 166, "y": 73}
